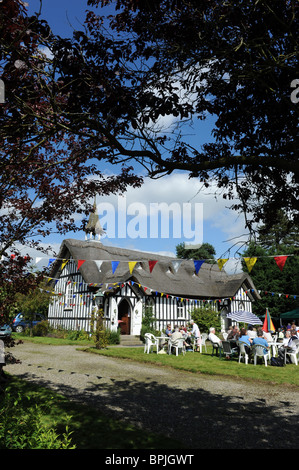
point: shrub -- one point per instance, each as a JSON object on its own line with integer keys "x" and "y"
{"x": 205, "y": 318}
{"x": 77, "y": 335}
{"x": 41, "y": 329}
{"x": 148, "y": 323}
{"x": 113, "y": 336}
{"x": 22, "y": 426}
{"x": 98, "y": 331}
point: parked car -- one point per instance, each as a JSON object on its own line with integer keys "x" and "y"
{"x": 5, "y": 331}
{"x": 20, "y": 322}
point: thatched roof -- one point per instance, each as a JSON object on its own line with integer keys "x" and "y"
{"x": 210, "y": 282}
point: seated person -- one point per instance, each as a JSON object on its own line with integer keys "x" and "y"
{"x": 183, "y": 329}
{"x": 289, "y": 344}
{"x": 176, "y": 336}
{"x": 280, "y": 335}
{"x": 168, "y": 331}
{"x": 261, "y": 341}
{"x": 213, "y": 338}
{"x": 268, "y": 337}
{"x": 251, "y": 332}
{"x": 233, "y": 334}
{"x": 244, "y": 338}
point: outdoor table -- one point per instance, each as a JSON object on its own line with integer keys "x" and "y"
{"x": 160, "y": 338}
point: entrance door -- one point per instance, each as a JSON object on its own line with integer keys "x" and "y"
{"x": 124, "y": 317}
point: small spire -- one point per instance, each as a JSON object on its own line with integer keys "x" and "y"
{"x": 93, "y": 226}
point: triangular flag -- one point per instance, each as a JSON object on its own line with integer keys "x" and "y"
{"x": 280, "y": 261}
{"x": 99, "y": 264}
{"x": 114, "y": 266}
{"x": 152, "y": 264}
{"x": 36, "y": 259}
{"x": 51, "y": 260}
{"x": 250, "y": 262}
{"x": 80, "y": 262}
{"x": 221, "y": 262}
{"x": 176, "y": 264}
{"x": 198, "y": 264}
{"x": 64, "y": 261}
{"x": 131, "y": 265}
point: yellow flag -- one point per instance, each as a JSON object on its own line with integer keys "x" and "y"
{"x": 132, "y": 265}
{"x": 64, "y": 261}
{"x": 250, "y": 262}
{"x": 221, "y": 262}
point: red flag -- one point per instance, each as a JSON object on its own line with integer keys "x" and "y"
{"x": 80, "y": 262}
{"x": 152, "y": 264}
{"x": 280, "y": 261}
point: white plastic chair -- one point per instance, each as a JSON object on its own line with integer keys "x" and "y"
{"x": 180, "y": 344}
{"x": 204, "y": 337}
{"x": 258, "y": 351}
{"x": 293, "y": 355}
{"x": 242, "y": 351}
{"x": 150, "y": 342}
{"x": 225, "y": 335}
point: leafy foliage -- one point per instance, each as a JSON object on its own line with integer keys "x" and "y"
{"x": 192, "y": 61}
{"x": 205, "y": 318}
{"x": 22, "y": 426}
{"x": 99, "y": 333}
{"x": 206, "y": 252}
{"x": 275, "y": 285}
{"x": 148, "y": 322}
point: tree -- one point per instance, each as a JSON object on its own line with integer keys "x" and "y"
{"x": 277, "y": 287}
{"x": 206, "y": 252}
{"x": 231, "y": 61}
{"x": 46, "y": 176}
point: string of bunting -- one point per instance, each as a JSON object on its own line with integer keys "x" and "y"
{"x": 110, "y": 286}
{"x": 249, "y": 261}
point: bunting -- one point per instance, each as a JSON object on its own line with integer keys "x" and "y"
{"x": 152, "y": 264}
{"x": 176, "y": 263}
{"x": 132, "y": 265}
{"x": 114, "y": 265}
{"x": 64, "y": 262}
{"x": 250, "y": 262}
{"x": 99, "y": 264}
{"x": 280, "y": 261}
{"x": 80, "y": 262}
{"x": 108, "y": 286}
{"x": 221, "y": 262}
{"x": 198, "y": 264}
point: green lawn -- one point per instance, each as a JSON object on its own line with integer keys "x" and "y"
{"x": 205, "y": 363}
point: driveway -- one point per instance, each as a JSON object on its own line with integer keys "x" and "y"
{"x": 202, "y": 412}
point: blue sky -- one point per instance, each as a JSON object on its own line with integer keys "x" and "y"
{"x": 222, "y": 227}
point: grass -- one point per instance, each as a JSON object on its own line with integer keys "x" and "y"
{"x": 52, "y": 340}
{"x": 203, "y": 363}
{"x": 207, "y": 364}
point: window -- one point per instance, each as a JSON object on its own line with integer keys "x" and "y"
{"x": 180, "y": 309}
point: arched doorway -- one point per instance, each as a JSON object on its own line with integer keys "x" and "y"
{"x": 124, "y": 317}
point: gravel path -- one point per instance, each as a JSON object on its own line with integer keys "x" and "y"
{"x": 200, "y": 411}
